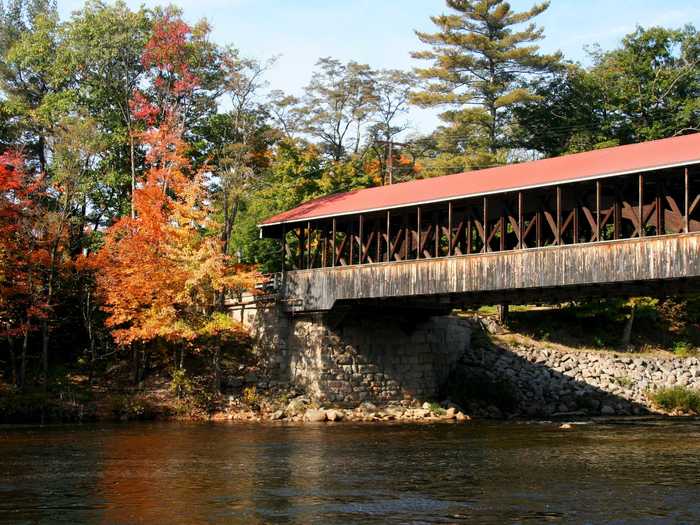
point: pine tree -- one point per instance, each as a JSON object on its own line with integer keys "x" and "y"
{"x": 480, "y": 62}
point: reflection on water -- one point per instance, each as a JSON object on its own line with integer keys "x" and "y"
{"x": 480, "y": 473}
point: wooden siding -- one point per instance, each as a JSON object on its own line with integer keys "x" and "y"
{"x": 630, "y": 260}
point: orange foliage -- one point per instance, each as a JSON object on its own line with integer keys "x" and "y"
{"x": 161, "y": 274}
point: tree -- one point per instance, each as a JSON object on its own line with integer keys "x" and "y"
{"x": 161, "y": 272}
{"x": 392, "y": 89}
{"x": 479, "y": 65}
{"x": 569, "y": 115}
{"x": 103, "y": 45}
{"x": 651, "y": 83}
{"x": 646, "y": 89}
{"x": 237, "y": 142}
{"x": 35, "y": 84}
{"x": 338, "y": 98}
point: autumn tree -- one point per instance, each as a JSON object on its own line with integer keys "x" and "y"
{"x": 161, "y": 272}
{"x": 480, "y": 57}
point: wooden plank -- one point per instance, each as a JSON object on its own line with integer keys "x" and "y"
{"x": 449, "y": 228}
{"x": 521, "y": 221}
{"x": 341, "y": 249}
{"x": 469, "y": 234}
{"x": 542, "y": 271}
{"x": 640, "y": 209}
{"x": 686, "y": 211}
{"x": 406, "y": 238}
{"x": 284, "y": 247}
{"x": 557, "y": 235}
{"x": 361, "y": 240}
{"x": 502, "y": 228}
{"x": 364, "y": 253}
{"x": 436, "y": 233}
{"x": 485, "y": 224}
{"x": 597, "y": 210}
{"x": 301, "y": 245}
{"x": 334, "y": 234}
{"x": 389, "y": 250}
{"x": 418, "y": 233}
{"x": 308, "y": 241}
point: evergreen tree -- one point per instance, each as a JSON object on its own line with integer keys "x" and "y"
{"x": 480, "y": 62}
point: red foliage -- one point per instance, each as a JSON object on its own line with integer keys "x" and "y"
{"x": 159, "y": 273}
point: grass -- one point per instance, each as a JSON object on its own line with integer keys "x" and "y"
{"x": 683, "y": 349}
{"x": 435, "y": 408}
{"x": 668, "y": 325}
{"x": 624, "y": 382}
{"x": 677, "y": 399}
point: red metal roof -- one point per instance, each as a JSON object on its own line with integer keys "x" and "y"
{"x": 665, "y": 153}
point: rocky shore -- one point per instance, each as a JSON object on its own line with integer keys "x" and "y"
{"x": 302, "y": 409}
{"x": 545, "y": 382}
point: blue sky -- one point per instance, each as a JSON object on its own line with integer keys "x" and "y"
{"x": 380, "y": 32}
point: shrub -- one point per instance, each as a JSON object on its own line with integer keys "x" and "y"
{"x": 683, "y": 349}
{"x": 251, "y": 397}
{"x": 435, "y": 408}
{"x": 130, "y": 407}
{"x": 196, "y": 395}
{"x": 677, "y": 399}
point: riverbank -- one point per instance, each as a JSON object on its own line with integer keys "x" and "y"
{"x": 486, "y": 372}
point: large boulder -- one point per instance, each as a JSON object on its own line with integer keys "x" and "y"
{"x": 314, "y": 415}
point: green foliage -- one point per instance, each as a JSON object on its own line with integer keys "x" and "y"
{"x": 479, "y": 59}
{"x": 646, "y": 89}
{"x": 624, "y": 382}
{"x": 197, "y": 395}
{"x": 435, "y": 408}
{"x": 683, "y": 349}
{"x": 658, "y": 323}
{"x": 36, "y": 406}
{"x": 251, "y": 397}
{"x": 677, "y": 399}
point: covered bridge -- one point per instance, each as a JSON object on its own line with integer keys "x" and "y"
{"x": 375, "y": 243}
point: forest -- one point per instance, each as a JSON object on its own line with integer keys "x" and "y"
{"x": 137, "y": 157}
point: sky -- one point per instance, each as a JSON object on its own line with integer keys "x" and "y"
{"x": 381, "y": 32}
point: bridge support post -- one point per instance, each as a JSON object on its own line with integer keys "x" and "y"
{"x": 503, "y": 311}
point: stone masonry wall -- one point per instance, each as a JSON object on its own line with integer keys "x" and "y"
{"x": 374, "y": 359}
{"x": 369, "y": 357}
{"x": 547, "y": 382}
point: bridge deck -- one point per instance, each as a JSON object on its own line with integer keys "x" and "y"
{"x": 518, "y": 273}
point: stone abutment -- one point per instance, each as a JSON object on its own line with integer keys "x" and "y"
{"x": 345, "y": 358}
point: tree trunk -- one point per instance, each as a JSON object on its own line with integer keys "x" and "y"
{"x": 133, "y": 169}
{"x": 135, "y": 364}
{"x": 23, "y": 358}
{"x": 45, "y": 353}
{"x": 13, "y": 359}
{"x": 216, "y": 362}
{"x": 627, "y": 332}
{"x": 503, "y": 313}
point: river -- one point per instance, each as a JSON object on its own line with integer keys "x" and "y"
{"x": 178, "y": 473}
